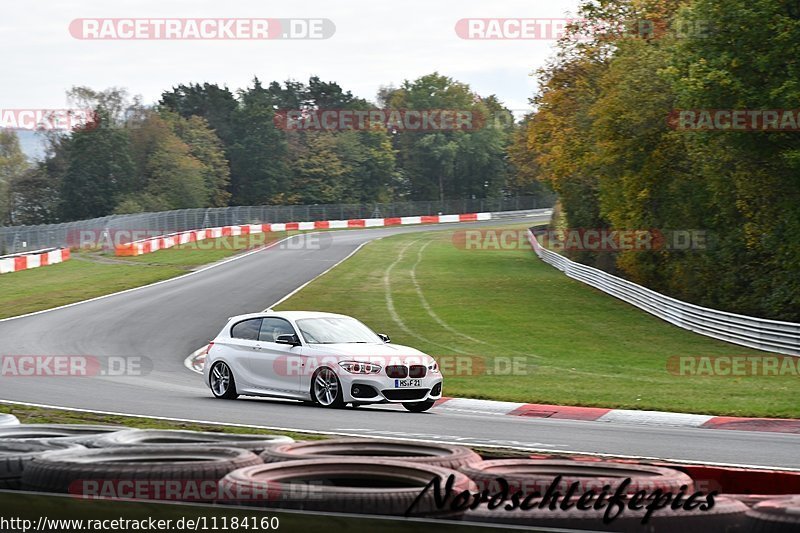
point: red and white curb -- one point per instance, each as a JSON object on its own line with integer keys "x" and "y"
{"x": 25, "y": 261}
{"x": 153, "y": 244}
{"x": 469, "y": 406}
{"x": 619, "y": 416}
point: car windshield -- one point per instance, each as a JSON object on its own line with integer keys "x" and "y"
{"x": 336, "y": 331}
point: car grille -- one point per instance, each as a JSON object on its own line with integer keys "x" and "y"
{"x": 405, "y": 394}
{"x": 397, "y": 371}
{"x": 417, "y": 371}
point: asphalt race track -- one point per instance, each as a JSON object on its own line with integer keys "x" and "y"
{"x": 167, "y": 321}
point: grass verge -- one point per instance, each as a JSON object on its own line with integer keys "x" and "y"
{"x": 90, "y": 274}
{"x": 509, "y": 327}
{"x": 42, "y": 415}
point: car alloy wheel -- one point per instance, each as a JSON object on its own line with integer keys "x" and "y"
{"x": 327, "y": 390}
{"x": 222, "y": 383}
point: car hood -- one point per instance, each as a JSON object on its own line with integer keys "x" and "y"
{"x": 367, "y": 352}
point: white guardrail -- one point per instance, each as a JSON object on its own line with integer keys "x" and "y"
{"x": 758, "y": 333}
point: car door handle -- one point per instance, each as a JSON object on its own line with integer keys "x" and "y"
{"x": 258, "y": 347}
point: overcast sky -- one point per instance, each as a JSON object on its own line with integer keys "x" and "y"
{"x": 376, "y": 43}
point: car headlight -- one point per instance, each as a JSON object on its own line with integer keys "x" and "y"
{"x": 355, "y": 367}
{"x": 433, "y": 368}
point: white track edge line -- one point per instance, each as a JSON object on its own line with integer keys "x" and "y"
{"x": 303, "y": 286}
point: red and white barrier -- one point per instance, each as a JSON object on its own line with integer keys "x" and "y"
{"x": 153, "y": 244}
{"x": 15, "y": 263}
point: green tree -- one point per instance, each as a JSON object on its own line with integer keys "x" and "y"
{"x": 746, "y": 60}
{"x": 99, "y": 170}
{"x": 13, "y": 165}
{"x": 449, "y": 163}
{"x": 215, "y": 104}
{"x": 34, "y": 198}
{"x": 207, "y": 148}
{"x": 258, "y": 155}
{"x": 169, "y": 176}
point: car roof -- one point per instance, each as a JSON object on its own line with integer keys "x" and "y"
{"x": 290, "y": 315}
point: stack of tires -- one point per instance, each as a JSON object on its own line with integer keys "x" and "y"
{"x": 341, "y": 475}
{"x": 364, "y": 476}
{"x": 116, "y": 462}
{"x": 586, "y": 510}
{"x": 379, "y": 477}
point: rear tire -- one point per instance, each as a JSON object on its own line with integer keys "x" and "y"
{"x": 419, "y": 407}
{"x": 223, "y": 385}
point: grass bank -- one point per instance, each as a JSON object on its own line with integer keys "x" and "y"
{"x": 509, "y": 327}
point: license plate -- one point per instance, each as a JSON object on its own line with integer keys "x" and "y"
{"x": 403, "y": 383}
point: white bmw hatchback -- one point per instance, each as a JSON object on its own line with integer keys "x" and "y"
{"x": 325, "y": 358}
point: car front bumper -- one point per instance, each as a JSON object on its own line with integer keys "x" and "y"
{"x": 382, "y": 389}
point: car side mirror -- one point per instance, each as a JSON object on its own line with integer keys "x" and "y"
{"x": 384, "y": 337}
{"x": 291, "y": 340}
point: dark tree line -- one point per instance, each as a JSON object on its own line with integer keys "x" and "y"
{"x": 204, "y": 145}
{"x": 601, "y": 137}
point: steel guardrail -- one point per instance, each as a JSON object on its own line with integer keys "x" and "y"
{"x": 758, "y": 333}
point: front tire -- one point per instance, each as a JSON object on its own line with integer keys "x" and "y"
{"x": 326, "y": 389}
{"x": 223, "y": 385}
{"x": 419, "y": 407}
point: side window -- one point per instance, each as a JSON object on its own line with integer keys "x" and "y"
{"x": 272, "y": 327}
{"x": 247, "y": 329}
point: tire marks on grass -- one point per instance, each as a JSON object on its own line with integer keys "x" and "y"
{"x": 429, "y": 309}
{"x": 395, "y": 316}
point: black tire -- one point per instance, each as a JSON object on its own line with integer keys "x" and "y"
{"x": 434, "y": 454}
{"x": 346, "y": 486}
{"x": 110, "y": 472}
{"x": 418, "y": 407}
{"x": 15, "y": 454}
{"x": 530, "y": 475}
{"x": 778, "y": 515}
{"x": 751, "y": 500}
{"x": 169, "y": 437}
{"x": 727, "y": 516}
{"x": 335, "y": 398}
{"x": 77, "y": 433}
{"x": 228, "y": 392}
